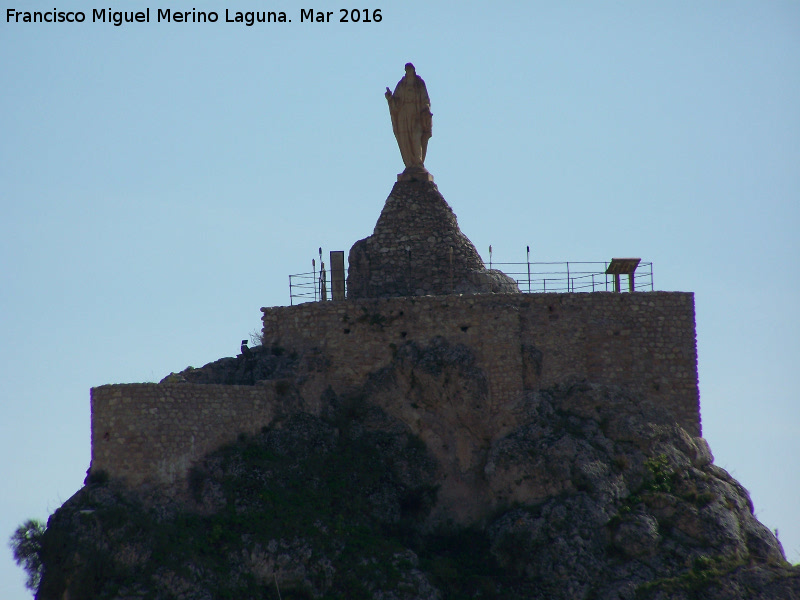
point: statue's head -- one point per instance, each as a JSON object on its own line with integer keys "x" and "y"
{"x": 410, "y": 70}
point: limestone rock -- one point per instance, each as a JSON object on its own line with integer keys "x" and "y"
{"x": 260, "y": 364}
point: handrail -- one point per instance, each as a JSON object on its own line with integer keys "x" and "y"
{"x": 571, "y": 276}
{"x": 531, "y": 278}
{"x": 304, "y": 286}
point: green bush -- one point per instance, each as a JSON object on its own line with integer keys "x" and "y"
{"x": 26, "y": 543}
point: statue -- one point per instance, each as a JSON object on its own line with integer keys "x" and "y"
{"x": 410, "y": 109}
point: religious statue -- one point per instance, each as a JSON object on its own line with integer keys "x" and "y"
{"x": 410, "y": 109}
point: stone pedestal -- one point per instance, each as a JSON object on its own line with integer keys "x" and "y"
{"x": 417, "y": 249}
{"x": 415, "y": 174}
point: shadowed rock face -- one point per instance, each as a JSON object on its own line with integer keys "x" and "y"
{"x": 417, "y": 249}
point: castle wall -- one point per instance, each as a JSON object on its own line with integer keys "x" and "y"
{"x": 644, "y": 342}
{"x": 149, "y": 433}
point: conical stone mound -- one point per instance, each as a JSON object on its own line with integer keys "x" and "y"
{"x": 417, "y": 249}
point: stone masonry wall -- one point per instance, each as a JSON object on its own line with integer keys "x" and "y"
{"x": 515, "y": 344}
{"x": 417, "y": 249}
{"x": 644, "y": 342}
{"x": 152, "y": 433}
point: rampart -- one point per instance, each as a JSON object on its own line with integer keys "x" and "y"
{"x": 642, "y": 342}
{"x": 147, "y": 433}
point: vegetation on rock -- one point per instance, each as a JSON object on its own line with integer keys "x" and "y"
{"x": 26, "y": 544}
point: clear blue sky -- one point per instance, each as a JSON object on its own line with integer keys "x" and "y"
{"x": 158, "y": 182}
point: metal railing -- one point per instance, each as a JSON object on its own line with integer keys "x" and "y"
{"x": 304, "y": 287}
{"x": 310, "y": 287}
{"x": 531, "y": 277}
{"x": 570, "y": 276}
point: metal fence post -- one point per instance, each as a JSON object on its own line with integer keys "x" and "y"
{"x": 323, "y": 284}
{"x": 567, "y": 276}
{"x": 529, "y": 268}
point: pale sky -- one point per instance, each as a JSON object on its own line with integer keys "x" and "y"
{"x": 160, "y": 181}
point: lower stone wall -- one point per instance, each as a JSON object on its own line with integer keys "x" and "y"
{"x": 152, "y": 433}
{"x": 644, "y": 342}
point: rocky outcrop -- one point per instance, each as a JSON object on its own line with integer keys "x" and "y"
{"x": 418, "y": 249}
{"x": 586, "y": 494}
{"x": 259, "y": 364}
